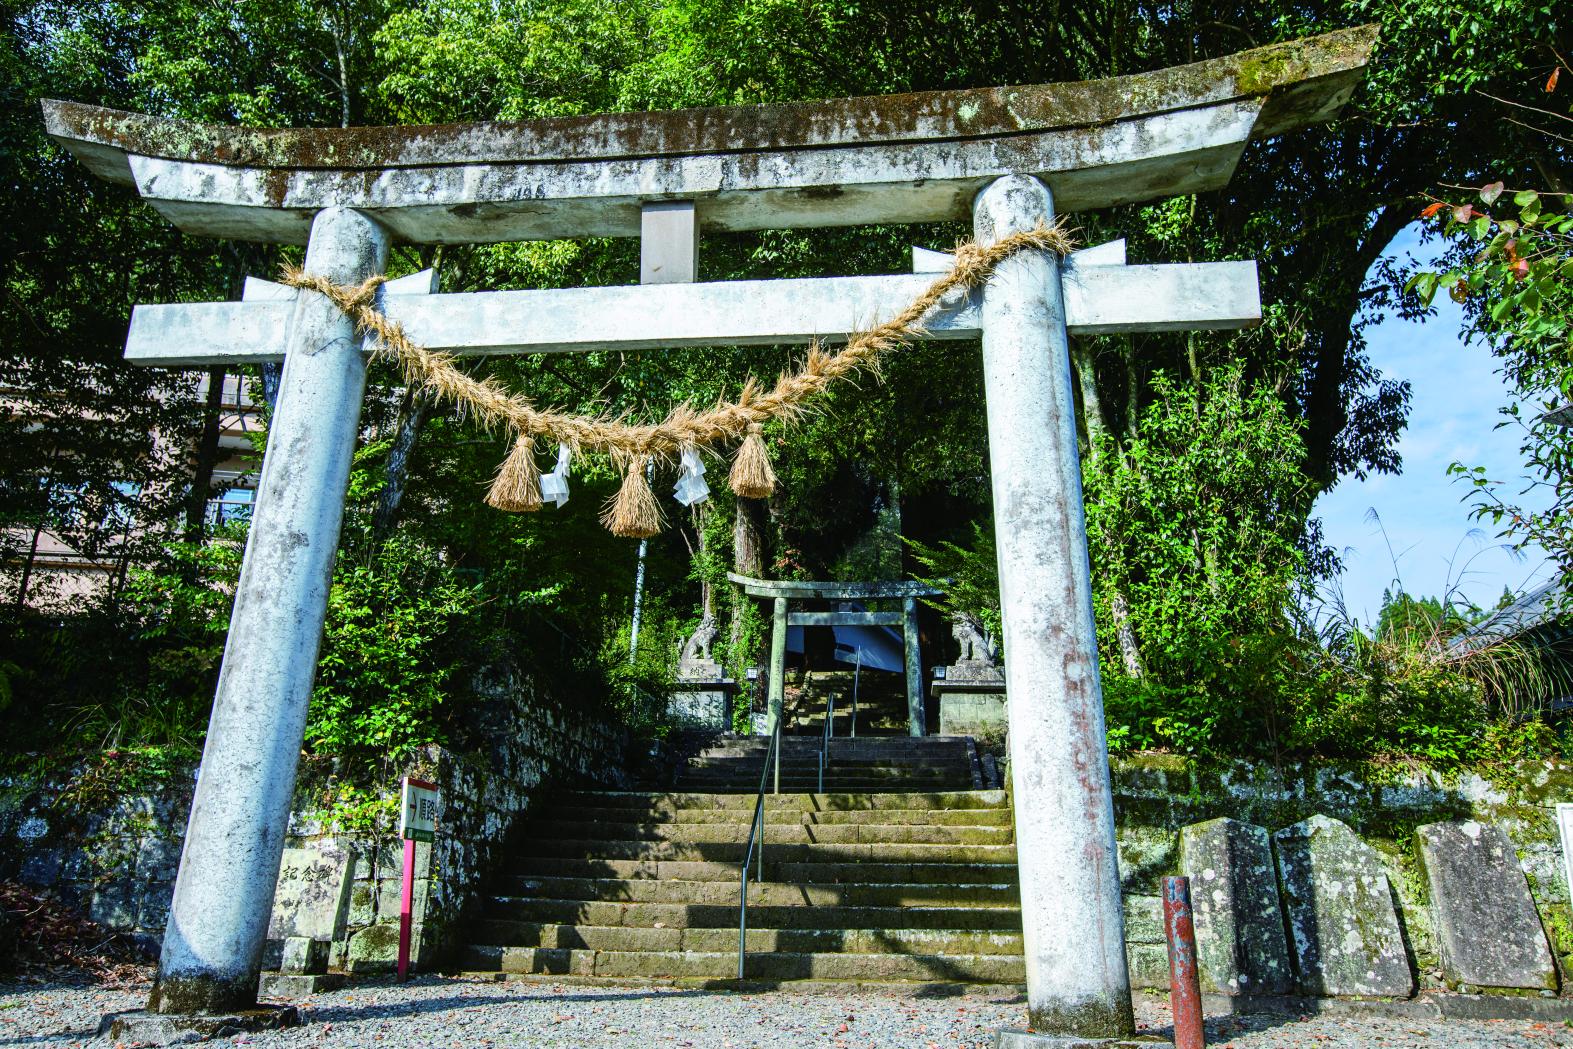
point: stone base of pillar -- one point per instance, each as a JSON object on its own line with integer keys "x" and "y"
{"x": 145, "y": 1028}
{"x": 1011, "y": 1038}
{"x": 297, "y": 985}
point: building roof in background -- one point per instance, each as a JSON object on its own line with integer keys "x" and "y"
{"x": 1533, "y": 610}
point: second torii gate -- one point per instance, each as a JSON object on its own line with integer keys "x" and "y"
{"x": 1007, "y": 158}
{"x": 779, "y": 592}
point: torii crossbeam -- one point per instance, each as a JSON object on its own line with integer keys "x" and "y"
{"x": 1003, "y": 157}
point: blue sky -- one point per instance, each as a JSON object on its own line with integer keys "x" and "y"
{"x": 1455, "y": 395}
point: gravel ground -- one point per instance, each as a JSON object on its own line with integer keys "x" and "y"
{"x": 434, "y": 1012}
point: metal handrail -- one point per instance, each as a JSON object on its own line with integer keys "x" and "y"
{"x": 824, "y": 743}
{"x": 756, "y": 835}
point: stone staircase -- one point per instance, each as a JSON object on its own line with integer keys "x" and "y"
{"x": 866, "y": 763}
{"x": 909, "y": 887}
{"x": 880, "y": 710}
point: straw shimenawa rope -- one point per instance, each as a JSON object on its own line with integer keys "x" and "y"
{"x": 635, "y": 511}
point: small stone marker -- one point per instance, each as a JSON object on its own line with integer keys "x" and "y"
{"x": 1488, "y": 931}
{"x": 1234, "y": 894}
{"x": 312, "y": 898}
{"x": 1342, "y": 926}
{"x": 310, "y": 907}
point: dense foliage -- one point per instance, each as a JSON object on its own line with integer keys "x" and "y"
{"x": 1199, "y": 537}
{"x": 1202, "y": 548}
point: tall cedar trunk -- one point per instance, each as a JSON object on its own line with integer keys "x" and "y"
{"x": 205, "y": 457}
{"x": 27, "y": 568}
{"x": 1133, "y": 390}
{"x": 697, "y": 515}
{"x": 748, "y": 558}
{"x": 270, "y": 373}
{"x": 412, "y": 415}
{"x": 1097, "y": 428}
{"x": 1091, "y": 403}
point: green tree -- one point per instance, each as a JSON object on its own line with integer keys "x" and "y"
{"x": 1202, "y": 539}
{"x": 1512, "y": 254}
{"x": 1317, "y": 207}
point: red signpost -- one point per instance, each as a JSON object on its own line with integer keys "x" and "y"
{"x": 1185, "y": 989}
{"x": 417, "y": 822}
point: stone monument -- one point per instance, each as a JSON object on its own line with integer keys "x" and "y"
{"x": 1240, "y": 943}
{"x": 1343, "y": 927}
{"x": 310, "y": 909}
{"x": 1487, "y": 928}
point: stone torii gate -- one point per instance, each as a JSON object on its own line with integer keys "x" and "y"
{"x": 1007, "y": 158}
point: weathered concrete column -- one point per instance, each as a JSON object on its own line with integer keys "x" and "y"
{"x": 235, "y": 838}
{"x": 1070, "y": 887}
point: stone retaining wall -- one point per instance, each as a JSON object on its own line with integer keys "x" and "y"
{"x": 1157, "y": 796}
{"x": 116, "y": 860}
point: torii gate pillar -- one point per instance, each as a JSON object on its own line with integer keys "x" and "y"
{"x": 218, "y": 920}
{"x": 1072, "y": 917}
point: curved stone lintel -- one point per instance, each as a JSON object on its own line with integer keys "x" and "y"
{"x": 895, "y": 158}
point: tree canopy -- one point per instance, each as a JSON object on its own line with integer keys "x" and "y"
{"x": 1316, "y": 207}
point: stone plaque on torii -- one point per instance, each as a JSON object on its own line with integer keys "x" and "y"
{"x": 1007, "y": 158}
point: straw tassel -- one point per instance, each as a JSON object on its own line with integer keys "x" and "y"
{"x": 634, "y": 512}
{"x": 752, "y": 475}
{"x": 517, "y": 488}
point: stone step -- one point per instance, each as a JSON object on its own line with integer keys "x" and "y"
{"x": 829, "y": 833}
{"x": 890, "y": 717}
{"x": 776, "y": 817}
{"x": 749, "y": 786}
{"x": 871, "y": 724}
{"x": 819, "y": 873}
{"x": 505, "y": 933}
{"x": 807, "y": 784}
{"x": 516, "y": 889}
{"x": 874, "y": 745}
{"x": 878, "y": 776}
{"x": 881, "y": 776}
{"x": 829, "y": 802}
{"x": 867, "y": 886}
{"x": 738, "y": 763}
{"x": 723, "y": 966}
{"x": 774, "y": 852}
{"x": 837, "y": 781}
{"x": 770, "y": 916}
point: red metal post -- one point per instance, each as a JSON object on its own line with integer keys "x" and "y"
{"x": 1185, "y": 989}
{"x": 406, "y": 904}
